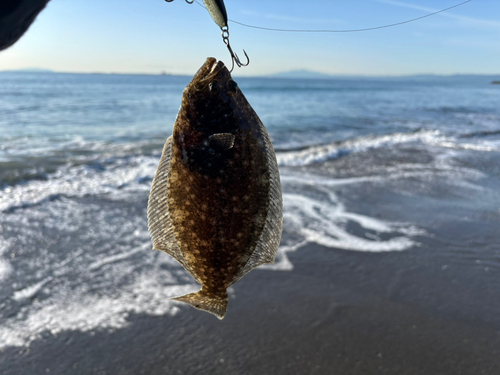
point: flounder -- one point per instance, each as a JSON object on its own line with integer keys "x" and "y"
{"x": 215, "y": 204}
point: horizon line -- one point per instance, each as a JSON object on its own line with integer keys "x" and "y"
{"x": 270, "y": 75}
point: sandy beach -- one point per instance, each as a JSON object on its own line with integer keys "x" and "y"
{"x": 336, "y": 312}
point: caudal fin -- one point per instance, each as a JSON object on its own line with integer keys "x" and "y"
{"x": 213, "y": 303}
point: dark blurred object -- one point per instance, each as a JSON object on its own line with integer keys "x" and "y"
{"x": 16, "y": 16}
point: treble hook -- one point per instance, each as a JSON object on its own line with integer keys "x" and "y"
{"x": 187, "y": 1}
{"x": 234, "y": 56}
{"x": 217, "y": 11}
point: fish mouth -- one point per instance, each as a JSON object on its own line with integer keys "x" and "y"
{"x": 214, "y": 65}
{"x": 209, "y": 70}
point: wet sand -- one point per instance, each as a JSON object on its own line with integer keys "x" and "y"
{"x": 337, "y": 312}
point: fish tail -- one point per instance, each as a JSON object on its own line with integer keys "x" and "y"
{"x": 214, "y": 303}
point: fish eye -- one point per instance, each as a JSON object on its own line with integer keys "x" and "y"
{"x": 213, "y": 86}
{"x": 232, "y": 86}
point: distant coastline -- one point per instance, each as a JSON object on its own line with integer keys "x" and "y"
{"x": 28, "y": 70}
{"x": 48, "y": 71}
{"x": 293, "y": 74}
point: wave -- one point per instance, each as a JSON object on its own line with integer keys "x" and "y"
{"x": 112, "y": 177}
{"x": 22, "y": 163}
{"x": 335, "y": 150}
{"x": 322, "y": 153}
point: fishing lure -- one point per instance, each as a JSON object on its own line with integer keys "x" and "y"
{"x": 217, "y": 11}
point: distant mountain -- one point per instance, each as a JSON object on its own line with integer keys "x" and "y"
{"x": 300, "y": 74}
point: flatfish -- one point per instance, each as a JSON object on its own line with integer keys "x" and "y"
{"x": 215, "y": 204}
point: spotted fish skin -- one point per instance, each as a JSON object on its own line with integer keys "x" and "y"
{"x": 215, "y": 204}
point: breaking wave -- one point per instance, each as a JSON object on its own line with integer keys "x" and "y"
{"x": 322, "y": 153}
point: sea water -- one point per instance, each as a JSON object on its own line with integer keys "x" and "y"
{"x": 367, "y": 164}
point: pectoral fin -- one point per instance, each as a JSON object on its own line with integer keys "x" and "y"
{"x": 221, "y": 141}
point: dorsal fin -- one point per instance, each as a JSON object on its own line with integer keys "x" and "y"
{"x": 159, "y": 222}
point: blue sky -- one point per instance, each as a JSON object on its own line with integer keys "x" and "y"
{"x": 150, "y": 36}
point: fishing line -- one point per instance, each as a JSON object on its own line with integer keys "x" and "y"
{"x": 346, "y": 30}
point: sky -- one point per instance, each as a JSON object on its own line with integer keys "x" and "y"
{"x": 151, "y": 36}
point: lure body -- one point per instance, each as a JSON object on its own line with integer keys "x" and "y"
{"x": 217, "y": 11}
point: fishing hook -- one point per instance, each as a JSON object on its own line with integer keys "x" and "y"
{"x": 217, "y": 11}
{"x": 234, "y": 56}
{"x": 187, "y": 1}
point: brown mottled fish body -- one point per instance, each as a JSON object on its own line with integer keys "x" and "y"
{"x": 215, "y": 204}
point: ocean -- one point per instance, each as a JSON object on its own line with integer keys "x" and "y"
{"x": 402, "y": 167}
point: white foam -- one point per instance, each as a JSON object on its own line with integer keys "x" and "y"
{"x": 82, "y": 309}
{"x": 111, "y": 274}
{"x": 85, "y": 312}
{"x": 5, "y": 266}
{"x": 324, "y": 222}
{"x": 282, "y": 263}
